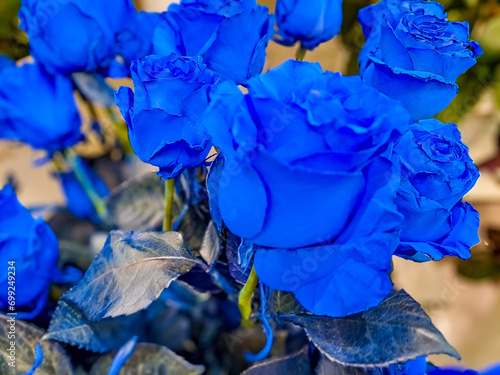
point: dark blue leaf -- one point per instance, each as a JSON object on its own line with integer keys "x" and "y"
{"x": 239, "y": 258}
{"x": 395, "y": 331}
{"x": 213, "y": 182}
{"x": 244, "y": 255}
{"x": 137, "y": 204}
{"x": 296, "y": 364}
{"x": 130, "y": 272}
{"x": 194, "y": 222}
{"x": 280, "y": 302}
{"x": 154, "y": 359}
{"x": 49, "y": 357}
{"x": 327, "y": 367}
{"x": 213, "y": 280}
{"x": 220, "y": 277}
{"x": 70, "y": 325}
{"x": 211, "y": 246}
{"x": 191, "y": 192}
{"x": 200, "y": 280}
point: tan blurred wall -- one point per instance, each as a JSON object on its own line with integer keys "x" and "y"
{"x": 154, "y": 5}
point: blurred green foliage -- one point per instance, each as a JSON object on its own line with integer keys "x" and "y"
{"x": 484, "y": 19}
{"x": 13, "y": 42}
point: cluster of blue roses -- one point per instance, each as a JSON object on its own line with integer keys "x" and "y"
{"x": 324, "y": 177}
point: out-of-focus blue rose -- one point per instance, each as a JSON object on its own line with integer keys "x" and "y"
{"x": 310, "y": 22}
{"x": 413, "y": 54}
{"x": 493, "y": 369}
{"x": 74, "y": 35}
{"x": 136, "y": 39}
{"x": 6, "y": 62}
{"x": 436, "y": 172}
{"x": 164, "y": 114}
{"x": 231, "y": 36}
{"x": 38, "y": 108}
{"x": 32, "y": 245}
{"x": 307, "y": 181}
{"x": 77, "y": 200}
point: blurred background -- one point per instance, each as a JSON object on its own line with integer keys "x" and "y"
{"x": 462, "y": 297}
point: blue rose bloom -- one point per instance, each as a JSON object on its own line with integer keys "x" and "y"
{"x": 450, "y": 371}
{"x": 77, "y": 200}
{"x": 306, "y": 179}
{"x": 38, "y": 108}
{"x": 413, "y": 54}
{"x": 436, "y": 172}
{"x": 310, "y": 22}
{"x": 6, "y": 62}
{"x": 164, "y": 114}
{"x": 231, "y": 36}
{"x": 418, "y": 366}
{"x": 493, "y": 369}
{"x": 74, "y": 35}
{"x": 136, "y": 39}
{"x": 32, "y": 245}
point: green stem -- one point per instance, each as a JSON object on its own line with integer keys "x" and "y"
{"x": 121, "y": 131}
{"x": 169, "y": 200}
{"x": 301, "y": 53}
{"x": 245, "y": 298}
{"x": 58, "y": 162}
{"x": 81, "y": 176}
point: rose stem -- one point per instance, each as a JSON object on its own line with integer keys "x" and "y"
{"x": 83, "y": 179}
{"x": 58, "y": 162}
{"x": 301, "y": 53}
{"x": 121, "y": 131}
{"x": 169, "y": 200}
{"x": 245, "y": 298}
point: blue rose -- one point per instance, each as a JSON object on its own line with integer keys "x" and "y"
{"x": 451, "y": 371}
{"x": 231, "y": 36}
{"x": 413, "y": 54}
{"x": 306, "y": 179}
{"x": 417, "y": 366}
{"x": 77, "y": 200}
{"x": 6, "y": 62}
{"x": 493, "y": 369}
{"x": 38, "y": 108}
{"x": 165, "y": 113}
{"x": 32, "y": 245}
{"x": 136, "y": 39}
{"x": 309, "y": 22}
{"x": 74, "y": 35}
{"x": 436, "y": 172}
{"x": 420, "y": 366}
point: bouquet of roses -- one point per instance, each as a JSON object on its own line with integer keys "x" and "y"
{"x": 280, "y": 200}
